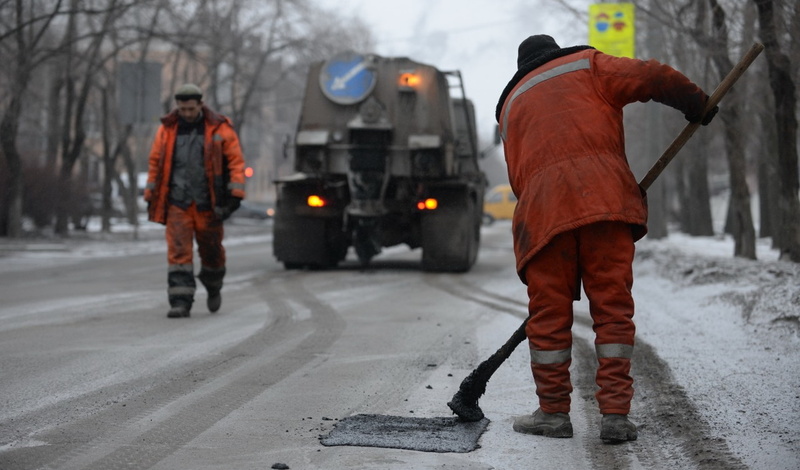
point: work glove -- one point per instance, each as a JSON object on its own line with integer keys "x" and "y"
{"x": 223, "y": 212}
{"x": 704, "y": 120}
{"x": 234, "y": 203}
{"x": 709, "y": 116}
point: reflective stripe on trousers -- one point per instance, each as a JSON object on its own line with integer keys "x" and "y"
{"x": 180, "y": 279}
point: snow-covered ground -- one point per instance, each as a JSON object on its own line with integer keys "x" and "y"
{"x": 728, "y": 328}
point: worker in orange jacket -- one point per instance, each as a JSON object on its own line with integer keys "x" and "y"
{"x": 194, "y": 182}
{"x": 580, "y": 210}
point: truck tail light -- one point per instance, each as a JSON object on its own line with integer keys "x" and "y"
{"x": 316, "y": 201}
{"x": 428, "y": 204}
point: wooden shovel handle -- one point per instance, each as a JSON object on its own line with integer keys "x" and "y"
{"x": 713, "y": 100}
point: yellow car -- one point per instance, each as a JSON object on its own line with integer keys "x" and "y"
{"x": 499, "y": 204}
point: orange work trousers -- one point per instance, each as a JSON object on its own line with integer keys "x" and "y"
{"x": 184, "y": 226}
{"x": 600, "y": 255}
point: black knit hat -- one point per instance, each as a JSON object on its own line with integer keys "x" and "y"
{"x": 534, "y": 47}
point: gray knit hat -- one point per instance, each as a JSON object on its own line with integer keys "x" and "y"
{"x": 189, "y": 91}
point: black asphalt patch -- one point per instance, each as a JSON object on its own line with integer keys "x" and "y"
{"x": 397, "y": 432}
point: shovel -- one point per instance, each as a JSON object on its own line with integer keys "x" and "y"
{"x": 465, "y": 402}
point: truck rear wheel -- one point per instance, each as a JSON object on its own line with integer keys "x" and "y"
{"x": 450, "y": 238}
{"x": 316, "y": 243}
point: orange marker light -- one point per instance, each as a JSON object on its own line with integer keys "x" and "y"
{"x": 248, "y": 172}
{"x": 316, "y": 201}
{"x": 409, "y": 80}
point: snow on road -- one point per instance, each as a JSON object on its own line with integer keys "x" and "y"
{"x": 728, "y": 328}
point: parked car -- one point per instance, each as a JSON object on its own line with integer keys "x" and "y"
{"x": 499, "y": 204}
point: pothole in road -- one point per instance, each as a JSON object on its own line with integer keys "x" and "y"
{"x": 397, "y": 432}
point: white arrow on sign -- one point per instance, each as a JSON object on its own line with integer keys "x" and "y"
{"x": 340, "y": 82}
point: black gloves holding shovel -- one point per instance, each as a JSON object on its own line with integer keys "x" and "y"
{"x": 705, "y": 119}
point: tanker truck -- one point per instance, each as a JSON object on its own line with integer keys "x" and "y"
{"x": 385, "y": 154}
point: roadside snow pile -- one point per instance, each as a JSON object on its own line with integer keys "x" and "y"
{"x": 729, "y": 328}
{"x": 766, "y": 291}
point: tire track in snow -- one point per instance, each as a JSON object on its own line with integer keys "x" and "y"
{"x": 171, "y": 414}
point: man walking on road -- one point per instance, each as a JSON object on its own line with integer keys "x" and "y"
{"x": 194, "y": 182}
{"x": 580, "y": 210}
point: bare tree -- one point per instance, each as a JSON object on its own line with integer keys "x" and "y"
{"x": 693, "y": 188}
{"x": 80, "y": 79}
{"x": 654, "y": 143}
{"x": 787, "y": 233}
{"x": 133, "y": 38}
{"x": 246, "y": 48}
{"x": 705, "y": 21}
{"x": 246, "y": 52}
{"x": 28, "y": 43}
{"x": 21, "y": 40}
{"x": 740, "y": 217}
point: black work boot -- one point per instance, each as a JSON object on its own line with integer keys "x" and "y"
{"x": 212, "y": 280}
{"x": 544, "y": 424}
{"x": 179, "y": 311}
{"x": 616, "y": 428}
{"x": 214, "y": 301}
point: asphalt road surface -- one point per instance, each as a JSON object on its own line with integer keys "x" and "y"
{"x": 94, "y": 376}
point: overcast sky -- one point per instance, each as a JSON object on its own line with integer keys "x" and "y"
{"x": 478, "y": 37}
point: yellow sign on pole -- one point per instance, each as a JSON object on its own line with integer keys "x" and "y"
{"x": 611, "y": 28}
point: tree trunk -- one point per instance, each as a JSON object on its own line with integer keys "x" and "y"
{"x": 741, "y": 217}
{"x": 767, "y": 177}
{"x": 9, "y": 125}
{"x": 696, "y": 204}
{"x": 741, "y": 220}
{"x": 75, "y": 109}
{"x": 132, "y": 190}
{"x": 53, "y": 117}
{"x": 108, "y": 166}
{"x": 783, "y": 89}
{"x": 8, "y": 141}
{"x": 657, "y": 199}
{"x": 656, "y": 194}
{"x": 67, "y": 160}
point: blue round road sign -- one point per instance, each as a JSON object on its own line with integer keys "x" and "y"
{"x": 347, "y": 78}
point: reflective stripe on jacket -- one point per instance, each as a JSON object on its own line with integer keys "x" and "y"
{"x": 223, "y": 161}
{"x": 564, "y": 143}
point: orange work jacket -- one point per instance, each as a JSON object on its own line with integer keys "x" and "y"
{"x": 222, "y": 155}
{"x": 564, "y": 143}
